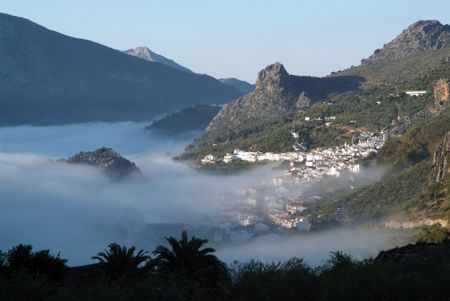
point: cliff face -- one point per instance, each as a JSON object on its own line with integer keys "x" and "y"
{"x": 418, "y": 37}
{"x": 277, "y": 93}
{"x": 441, "y": 92}
{"x": 110, "y": 162}
{"x": 440, "y": 159}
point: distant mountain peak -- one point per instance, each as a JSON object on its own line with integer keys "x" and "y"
{"x": 421, "y": 36}
{"x": 145, "y": 53}
{"x": 423, "y": 26}
{"x": 141, "y": 51}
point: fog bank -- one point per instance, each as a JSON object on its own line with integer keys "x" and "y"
{"x": 78, "y": 211}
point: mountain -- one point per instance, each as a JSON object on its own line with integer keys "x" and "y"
{"x": 145, "y": 53}
{"x": 108, "y": 161}
{"x": 370, "y": 96}
{"x": 276, "y": 95}
{"x": 241, "y": 85}
{"x": 189, "y": 119}
{"x": 422, "y": 36}
{"x": 49, "y": 78}
{"x": 414, "y": 191}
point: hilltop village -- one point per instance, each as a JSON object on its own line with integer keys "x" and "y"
{"x": 313, "y": 164}
{"x": 279, "y": 202}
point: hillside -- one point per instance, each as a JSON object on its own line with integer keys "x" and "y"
{"x": 263, "y": 119}
{"x": 421, "y": 36}
{"x": 414, "y": 191}
{"x": 277, "y": 94}
{"x": 50, "y": 78}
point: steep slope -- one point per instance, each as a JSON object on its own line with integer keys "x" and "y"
{"x": 264, "y": 119}
{"x": 145, "y": 53}
{"x": 50, "y": 78}
{"x": 238, "y": 84}
{"x": 276, "y": 95}
{"x": 415, "y": 190}
{"x": 422, "y": 46}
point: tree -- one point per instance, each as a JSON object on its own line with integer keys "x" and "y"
{"x": 192, "y": 267}
{"x": 121, "y": 262}
{"x": 22, "y": 258}
{"x": 2, "y": 262}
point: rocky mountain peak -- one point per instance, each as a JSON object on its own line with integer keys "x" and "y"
{"x": 419, "y": 37}
{"x": 141, "y": 51}
{"x": 423, "y": 27}
{"x": 273, "y": 78}
{"x": 145, "y": 53}
{"x": 110, "y": 162}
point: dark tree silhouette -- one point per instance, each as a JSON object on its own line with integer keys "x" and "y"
{"x": 121, "y": 262}
{"x": 188, "y": 264}
{"x": 22, "y": 257}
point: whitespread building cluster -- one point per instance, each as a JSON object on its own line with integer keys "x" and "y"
{"x": 315, "y": 163}
{"x": 277, "y": 202}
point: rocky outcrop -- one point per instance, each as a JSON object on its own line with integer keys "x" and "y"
{"x": 441, "y": 156}
{"x": 419, "y": 37}
{"x": 277, "y": 94}
{"x": 396, "y": 223}
{"x": 441, "y": 92}
{"x": 110, "y": 162}
{"x": 303, "y": 101}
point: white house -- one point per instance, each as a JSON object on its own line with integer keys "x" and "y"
{"x": 229, "y": 157}
{"x": 209, "y": 159}
{"x": 416, "y": 93}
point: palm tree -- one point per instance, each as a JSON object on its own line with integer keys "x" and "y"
{"x": 121, "y": 262}
{"x": 188, "y": 262}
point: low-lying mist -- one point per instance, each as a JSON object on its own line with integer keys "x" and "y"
{"x": 78, "y": 211}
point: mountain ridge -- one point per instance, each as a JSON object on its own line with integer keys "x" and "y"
{"x": 51, "y": 78}
{"x": 276, "y": 94}
{"x": 421, "y": 36}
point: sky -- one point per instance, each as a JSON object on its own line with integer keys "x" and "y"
{"x": 237, "y": 38}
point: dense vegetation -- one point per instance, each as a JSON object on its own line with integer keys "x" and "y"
{"x": 406, "y": 187}
{"x": 186, "y": 270}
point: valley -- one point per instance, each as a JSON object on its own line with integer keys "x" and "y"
{"x": 212, "y": 187}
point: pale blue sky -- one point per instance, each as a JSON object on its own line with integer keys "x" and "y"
{"x": 237, "y": 38}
